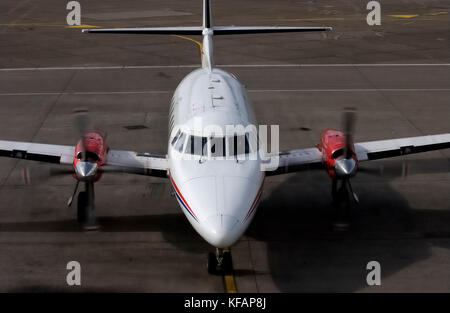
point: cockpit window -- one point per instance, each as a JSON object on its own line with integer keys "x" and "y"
{"x": 337, "y": 153}
{"x": 197, "y": 145}
{"x": 179, "y": 145}
{"x": 175, "y": 138}
{"x": 218, "y": 148}
{"x": 229, "y": 146}
{"x": 238, "y": 145}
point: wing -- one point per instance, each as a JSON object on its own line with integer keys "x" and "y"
{"x": 137, "y": 163}
{"x": 296, "y": 160}
{"x": 116, "y": 160}
{"x": 301, "y": 159}
{"x": 37, "y": 152}
{"x": 381, "y": 149}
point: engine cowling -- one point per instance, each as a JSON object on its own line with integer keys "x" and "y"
{"x": 332, "y": 146}
{"x": 96, "y": 149}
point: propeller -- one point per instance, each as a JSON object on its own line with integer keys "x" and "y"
{"x": 354, "y": 195}
{"x": 80, "y": 126}
{"x": 69, "y": 202}
{"x": 80, "y": 123}
{"x": 345, "y": 166}
{"x": 86, "y": 171}
{"x": 349, "y": 127}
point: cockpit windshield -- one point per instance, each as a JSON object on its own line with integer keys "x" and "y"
{"x": 220, "y": 146}
{"x": 197, "y": 146}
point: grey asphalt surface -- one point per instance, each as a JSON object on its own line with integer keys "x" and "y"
{"x": 396, "y": 75}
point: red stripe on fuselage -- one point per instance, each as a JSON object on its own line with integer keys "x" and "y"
{"x": 255, "y": 201}
{"x": 181, "y": 196}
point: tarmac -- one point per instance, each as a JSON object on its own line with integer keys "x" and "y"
{"x": 397, "y": 76}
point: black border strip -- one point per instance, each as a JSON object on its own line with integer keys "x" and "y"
{"x": 406, "y": 150}
{"x": 24, "y": 155}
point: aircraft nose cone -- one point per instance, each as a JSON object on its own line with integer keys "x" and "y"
{"x": 85, "y": 170}
{"x": 345, "y": 167}
{"x": 220, "y": 230}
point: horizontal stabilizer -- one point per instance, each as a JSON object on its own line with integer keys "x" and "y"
{"x": 194, "y": 30}
{"x": 148, "y": 30}
{"x": 231, "y": 30}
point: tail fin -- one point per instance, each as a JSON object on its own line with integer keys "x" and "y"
{"x": 206, "y": 14}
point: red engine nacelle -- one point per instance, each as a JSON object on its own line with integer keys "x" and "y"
{"x": 332, "y": 146}
{"x": 96, "y": 150}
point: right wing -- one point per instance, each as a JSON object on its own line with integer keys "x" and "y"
{"x": 311, "y": 158}
{"x": 297, "y": 160}
{"x": 381, "y": 149}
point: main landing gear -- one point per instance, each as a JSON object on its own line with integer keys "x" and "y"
{"x": 85, "y": 208}
{"x": 341, "y": 205}
{"x": 220, "y": 263}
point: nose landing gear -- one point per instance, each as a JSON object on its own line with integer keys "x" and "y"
{"x": 220, "y": 263}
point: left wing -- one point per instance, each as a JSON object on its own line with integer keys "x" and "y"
{"x": 37, "y": 152}
{"x": 301, "y": 159}
{"x": 116, "y": 160}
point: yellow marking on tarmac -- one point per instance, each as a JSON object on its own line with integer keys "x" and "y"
{"x": 83, "y": 26}
{"x": 200, "y": 45}
{"x": 229, "y": 283}
{"x": 404, "y": 15}
{"x": 228, "y": 280}
{"x": 437, "y": 13}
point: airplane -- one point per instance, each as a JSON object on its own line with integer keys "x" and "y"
{"x": 218, "y": 186}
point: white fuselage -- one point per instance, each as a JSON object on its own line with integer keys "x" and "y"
{"x": 218, "y": 195}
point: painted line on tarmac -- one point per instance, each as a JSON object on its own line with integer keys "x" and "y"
{"x": 199, "y": 44}
{"x": 17, "y": 94}
{"x": 125, "y": 67}
{"x": 229, "y": 281}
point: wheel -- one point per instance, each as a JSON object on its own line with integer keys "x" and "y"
{"x": 341, "y": 220}
{"x": 212, "y": 264}
{"x": 224, "y": 268}
{"x": 227, "y": 264}
{"x": 82, "y": 208}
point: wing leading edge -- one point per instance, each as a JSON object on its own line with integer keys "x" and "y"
{"x": 301, "y": 159}
{"x": 116, "y": 161}
{"x": 58, "y": 154}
